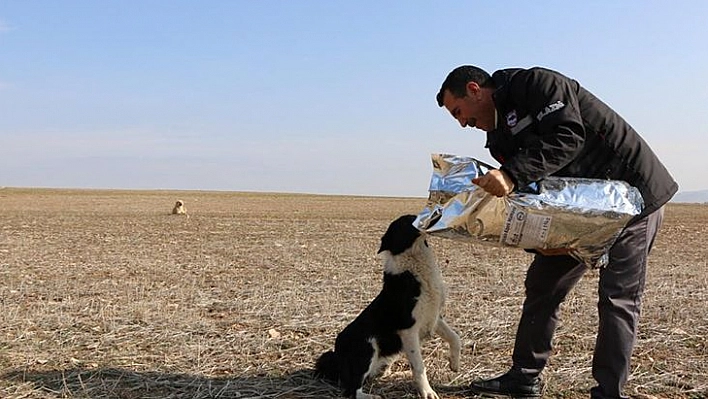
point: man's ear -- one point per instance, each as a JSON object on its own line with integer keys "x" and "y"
{"x": 473, "y": 89}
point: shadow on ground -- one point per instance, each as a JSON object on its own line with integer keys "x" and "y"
{"x": 116, "y": 383}
{"x": 128, "y": 384}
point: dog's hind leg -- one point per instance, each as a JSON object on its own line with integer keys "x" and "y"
{"x": 386, "y": 369}
{"x": 411, "y": 346}
{"x": 361, "y": 395}
{"x": 381, "y": 367}
{"x": 451, "y": 337}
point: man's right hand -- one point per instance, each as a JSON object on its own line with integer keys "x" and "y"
{"x": 495, "y": 182}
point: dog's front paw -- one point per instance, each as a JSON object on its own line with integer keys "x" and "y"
{"x": 455, "y": 361}
{"x": 429, "y": 394}
{"x": 455, "y": 354}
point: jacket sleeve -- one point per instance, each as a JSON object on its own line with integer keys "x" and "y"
{"x": 556, "y": 135}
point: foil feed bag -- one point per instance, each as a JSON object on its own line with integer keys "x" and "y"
{"x": 582, "y": 215}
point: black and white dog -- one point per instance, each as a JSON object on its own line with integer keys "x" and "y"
{"x": 405, "y": 311}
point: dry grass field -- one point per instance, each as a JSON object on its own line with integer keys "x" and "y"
{"x": 105, "y": 294}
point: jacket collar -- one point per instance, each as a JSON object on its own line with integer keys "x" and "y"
{"x": 501, "y": 79}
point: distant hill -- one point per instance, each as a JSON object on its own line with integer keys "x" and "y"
{"x": 700, "y": 196}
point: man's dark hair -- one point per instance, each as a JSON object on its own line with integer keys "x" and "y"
{"x": 456, "y": 81}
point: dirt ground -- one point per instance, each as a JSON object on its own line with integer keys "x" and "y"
{"x": 105, "y": 294}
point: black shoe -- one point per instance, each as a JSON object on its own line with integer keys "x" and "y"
{"x": 512, "y": 384}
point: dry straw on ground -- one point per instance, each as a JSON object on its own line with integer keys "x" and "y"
{"x": 105, "y": 294}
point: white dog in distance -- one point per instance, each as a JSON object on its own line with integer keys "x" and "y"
{"x": 179, "y": 208}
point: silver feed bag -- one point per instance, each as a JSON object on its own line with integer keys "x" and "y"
{"x": 584, "y": 216}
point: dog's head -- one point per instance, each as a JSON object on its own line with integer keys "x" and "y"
{"x": 179, "y": 203}
{"x": 400, "y": 235}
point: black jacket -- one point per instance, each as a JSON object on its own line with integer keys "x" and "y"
{"x": 547, "y": 124}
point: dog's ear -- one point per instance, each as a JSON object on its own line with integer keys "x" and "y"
{"x": 381, "y": 247}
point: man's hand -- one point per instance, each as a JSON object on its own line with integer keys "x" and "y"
{"x": 495, "y": 182}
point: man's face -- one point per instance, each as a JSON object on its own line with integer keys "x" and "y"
{"x": 475, "y": 109}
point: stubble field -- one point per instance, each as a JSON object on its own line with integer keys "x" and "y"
{"x": 104, "y": 294}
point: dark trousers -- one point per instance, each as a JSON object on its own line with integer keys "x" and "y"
{"x": 550, "y": 278}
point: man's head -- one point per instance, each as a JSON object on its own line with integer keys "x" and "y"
{"x": 467, "y": 94}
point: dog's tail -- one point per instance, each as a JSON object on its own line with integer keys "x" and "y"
{"x": 327, "y": 367}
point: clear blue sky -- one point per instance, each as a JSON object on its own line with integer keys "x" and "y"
{"x": 328, "y": 97}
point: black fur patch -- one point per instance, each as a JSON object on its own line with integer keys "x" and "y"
{"x": 390, "y": 312}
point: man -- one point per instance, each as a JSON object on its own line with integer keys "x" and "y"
{"x": 540, "y": 123}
